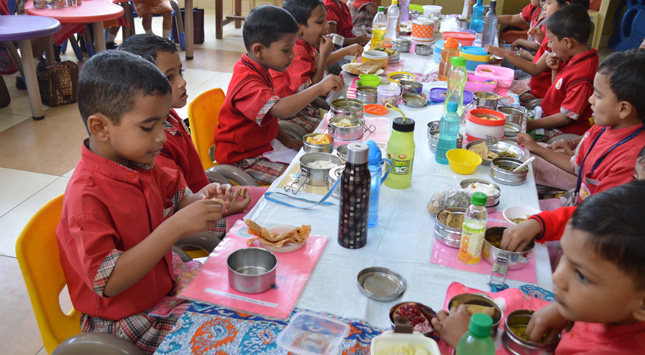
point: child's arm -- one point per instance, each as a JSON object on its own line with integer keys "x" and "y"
{"x": 544, "y": 226}
{"x": 553, "y": 121}
{"x": 326, "y": 47}
{"x": 547, "y": 320}
{"x": 510, "y": 19}
{"x": 452, "y": 326}
{"x": 561, "y": 161}
{"x": 526, "y": 44}
{"x": 361, "y": 40}
{"x": 534, "y": 69}
{"x": 537, "y": 32}
{"x": 290, "y": 105}
{"x": 335, "y": 56}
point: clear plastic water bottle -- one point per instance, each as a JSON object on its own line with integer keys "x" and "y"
{"x": 477, "y": 17}
{"x": 448, "y": 131}
{"x": 477, "y": 340}
{"x": 376, "y": 171}
{"x": 456, "y": 83}
{"x": 473, "y": 230}
{"x": 354, "y": 198}
{"x": 490, "y": 25}
{"x": 378, "y": 28}
{"x": 392, "y": 30}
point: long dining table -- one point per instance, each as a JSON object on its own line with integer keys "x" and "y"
{"x": 401, "y": 241}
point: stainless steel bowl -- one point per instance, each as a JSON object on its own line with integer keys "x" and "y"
{"x": 346, "y": 133}
{"x": 492, "y": 201}
{"x": 486, "y": 99}
{"x": 500, "y": 146}
{"x": 448, "y": 235}
{"x": 402, "y": 45}
{"x": 339, "y": 107}
{"x": 515, "y": 260}
{"x": 332, "y": 177}
{"x": 251, "y": 270}
{"x": 398, "y": 77}
{"x": 366, "y": 94}
{"x": 423, "y": 49}
{"x": 500, "y": 174}
{"x": 409, "y": 86}
{"x": 341, "y": 151}
{"x": 514, "y": 114}
{"x": 314, "y": 148}
{"x": 414, "y": 100}
{"x": 511, "y": 130}
{"x": 518, "y": 346}
{"x": 433, "y": 136}
{"x": 480, "y": 299}
{"x": 394, "y": 58}
{"x": 316, "y": 176}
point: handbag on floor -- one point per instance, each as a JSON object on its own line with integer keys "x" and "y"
{"x": 57, "y": 83}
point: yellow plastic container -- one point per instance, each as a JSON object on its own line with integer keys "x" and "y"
{"x": 377, "y": 56}
{"x": 463, "y": 161}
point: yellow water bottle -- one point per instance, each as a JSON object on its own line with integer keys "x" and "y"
{"x": 400, "y": 150}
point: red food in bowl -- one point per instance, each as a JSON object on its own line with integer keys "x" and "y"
{"x": 419, "y": 316}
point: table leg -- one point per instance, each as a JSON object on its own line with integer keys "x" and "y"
{"x": 30, "y": 79}
{"x": 219, "y": 9}
{"x": 99, "y": 36}
{"x": 189, "y": 28}
{"x": 238, "y": 12}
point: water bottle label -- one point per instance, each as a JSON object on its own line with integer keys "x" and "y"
{"x": 470, "y": 246}
{"x": 401, "y": 167}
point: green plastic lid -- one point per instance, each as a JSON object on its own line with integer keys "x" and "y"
{"x": 451, "y": 106}
{"x": 416, "y": 7}
{"x": 480, "y": 323}
{"x": 458, "y": 61}
{"x": 381, "y": 9}
{"x": 479, "y": 199}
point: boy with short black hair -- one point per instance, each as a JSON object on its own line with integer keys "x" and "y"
{"x": 248, "y": 120}
{"x": 122, "y": 213}
{"x": 599, "y": 283}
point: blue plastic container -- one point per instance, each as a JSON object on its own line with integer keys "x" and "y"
{"x": 474, "y": 56}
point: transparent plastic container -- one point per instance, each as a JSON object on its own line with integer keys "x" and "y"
{"x": 312, "y": 334}
{"x": 392, "y": 30}
{"x": 388, "y": 94}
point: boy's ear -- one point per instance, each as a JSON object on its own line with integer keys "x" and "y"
{"x": 301, "y": 30}
{"x": 639, "y": 312}
{"x": 625, "y": 109}
{"x": 257, "y": 49}
{"x": 97, "y": 125}
{"x": 568, "y": 42}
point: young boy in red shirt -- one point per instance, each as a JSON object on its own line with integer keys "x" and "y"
{"x": 607, "y": 152}
{"x": 340, "y": 21}
{"x": 363, "y": 12}
{"x": 121, "y": 212}
{"x": 599, "y": 283}
{"x": 248, "y": 119}
{"x": 532, "y": 15}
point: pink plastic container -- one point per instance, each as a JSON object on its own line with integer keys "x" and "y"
{"x": 464, "y": 38}
{"x": 504, "y": 76}
{"x": 477, "y": 83}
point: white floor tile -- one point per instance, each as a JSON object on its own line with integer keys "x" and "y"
{"x": 69, "y": 173}
{"x": 12, "y": 223}
{"x": 198, "y": 77}
{"x": 17, "y": 186}
{"x": 9, "y": 120}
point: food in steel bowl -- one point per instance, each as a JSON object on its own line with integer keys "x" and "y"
{"x": 346, "y": 122}
{"x": 419, "y": 316}
{"x": 322, "y": 164}
{"x": 450, "y": 219}
{"x": 320, "y": 138}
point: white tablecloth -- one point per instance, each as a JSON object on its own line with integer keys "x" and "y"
{"x": 403, "y": 238}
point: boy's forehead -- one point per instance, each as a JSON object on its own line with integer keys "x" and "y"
{"x": 167, "y": 60}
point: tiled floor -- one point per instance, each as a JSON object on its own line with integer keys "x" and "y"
{"x": 37, "y": 159}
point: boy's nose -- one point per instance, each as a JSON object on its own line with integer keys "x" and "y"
{"x": 558, "y": 276}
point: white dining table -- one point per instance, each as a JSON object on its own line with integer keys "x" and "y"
{"x": 403, "y": 238}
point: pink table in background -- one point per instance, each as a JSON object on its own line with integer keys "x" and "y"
{"x": 94, "y": 11}
{"x": 23, "y": 29}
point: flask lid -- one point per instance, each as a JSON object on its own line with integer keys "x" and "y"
{"x": 403, "y": 126}
{"x": 375, "y": 153}
{"x": 381, "y": 9}
{"x": 480, "y": 325}
{"x": 478, "y": 199}
{"x": 357, "y": 153}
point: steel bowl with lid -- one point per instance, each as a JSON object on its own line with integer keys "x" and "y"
{"x": 366, "y": 94}
{"x": 433, "y": 136}
{"x": 402, "y": 45}
{"x": 516, "y": 322}
{"x": 479, "y": 299}
{"x": 317, "y": 176}
{"x": 501, "y": 171}
{"x": 315, "y": 147}
{"x": 445, "y": 234}
{"x": 409, "y": 86}
{"x": 492, "y": 249}
{"x": 339, "y": 107}
{"x": 514, "y": 114}
{"x": 492, "y": 201}
{"x": 423, "y": 49}
{"x": 486, "y": 99}
{"x": 332, "y": 177}
{"x": 413, "y": 100}
{"x": 338, "y": 130}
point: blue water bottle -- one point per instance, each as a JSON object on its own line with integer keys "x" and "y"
{"x": 448, "y": 132}
{"x": 476, "y": 21}
{"x": 376, "y": 171}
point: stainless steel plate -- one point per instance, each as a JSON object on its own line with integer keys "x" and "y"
{"x": 381, "y": 284}
{"x": 500, "y": 146}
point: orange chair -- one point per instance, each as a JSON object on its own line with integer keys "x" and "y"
{"x": 37, "y": 253}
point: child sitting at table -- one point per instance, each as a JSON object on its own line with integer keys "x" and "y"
{"x": 340, "y": 21}
{"x": 248, "y": 119}
{"x": 121, "y": 212}
{"x": 605, "y": 157}
{"x": 532, "y": 15}
{"x": 363, "y": 12}
{"x": 599, "y": 283}
{"x": 147, "y": 8}
{"x": 308, "y": 67}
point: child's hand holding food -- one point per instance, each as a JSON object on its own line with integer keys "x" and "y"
{"x": 354, "y": 49}
{"x": 546, "y": 324}
{"x": 553, "y": 61}
{"x": 326, "y": 46}
{"x": 452, "y": 326}
{"x": 331, "y": 83}
{"x": 517, "y": 237}
{"x": 494, "y": 50}
{"x": 527, "y": 142}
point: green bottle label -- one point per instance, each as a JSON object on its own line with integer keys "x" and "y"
{"x": 401, "y": 167}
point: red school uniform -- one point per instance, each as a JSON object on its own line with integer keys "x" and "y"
{"x": 179, "y": 152}
{"x": 341, "y": 16}
{"x": 298, "y": 75}
{"x": 540, "y": 84}
{"x": 603, "y": 339}
{"x": 245, "y": 128}
{"x": 552, "y": 223}
{"x": 570, "y": 92}
{"x": 360, "y": 3}
{"x": 613, "y": 167}
{"x": 530, "y": 14}
{"x": 108, "y": 209}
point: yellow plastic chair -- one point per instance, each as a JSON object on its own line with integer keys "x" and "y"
{"x": 37, "y": 253}
{"x": 598, "y": 20}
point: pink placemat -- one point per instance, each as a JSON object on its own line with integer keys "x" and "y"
{"x": 210, "y": 285}
{"x": 447, "y": 256}
{"x": 380, "y": 133}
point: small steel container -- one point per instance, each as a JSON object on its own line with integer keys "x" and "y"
{"x": 337, "y": 40}
{"x": 380, "y": 284}
{"x": 423, "y": 49}
{"x": 492, "y": 201}
{"x": 448, "y": 235}
{"x": 515, "y": 260}
{"x": 481, "y": 300}
{"x": 514, "y": 114}
{"x": 366, "y": 94}
{"x": 251, "y": 270}
{"x": 341, "y": 151}
{"x": 394, "y": 58}
{"x": 313, "y": 147}
{"x": 339, "y": 107}
{"x": 507, "y": 177}
{"x": 332, "y": 177}
{"x": 486, "y": 99}
{"x": 511, "y": 130}
{"x": 402, "y": 45}
{"x": 518, "y": 346}
{"x": 317, "y": 177}
{"x": 413, "y": 100}
{"x": 433, "y": 136}
{"x": 401, "y": 76}
{"x": 346, "y": 133}
{"x": 409, "y": 86}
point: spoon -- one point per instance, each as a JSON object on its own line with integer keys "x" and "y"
{"x": 347, "y": 104}
{"x": 527, "y": 162}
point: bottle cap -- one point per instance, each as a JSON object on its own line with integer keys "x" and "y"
{"x": 458, "y": 61}
{"x": 480, "y": 323}
{"x": 399, "y": 125}
{"x": 381, "y": 9}
{"x": 375, "y": 153}
{"x": 357, "y": 153}
{"x": 450, "y": 43}
{"x": 479, "y": 199}
{"x": 451, "y": 106}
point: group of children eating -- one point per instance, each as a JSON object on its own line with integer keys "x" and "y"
{"x": 140, "y": 186}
